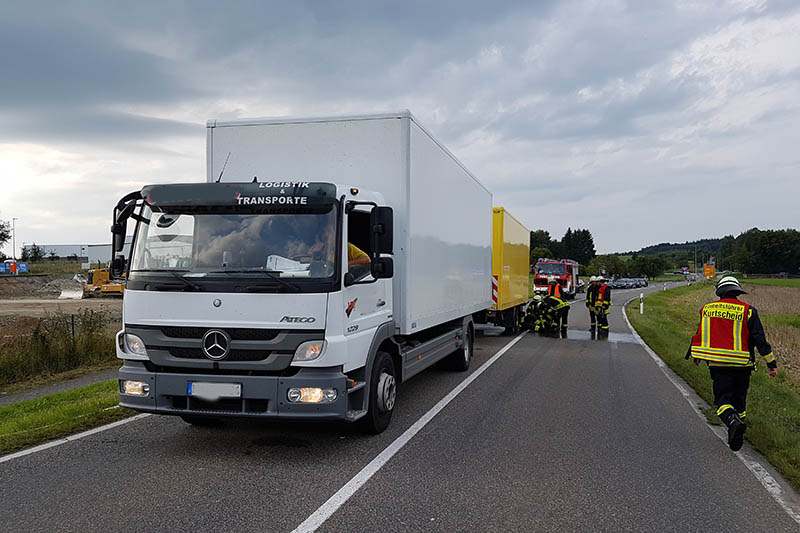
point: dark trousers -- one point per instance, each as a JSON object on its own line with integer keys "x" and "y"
{"x": 562, "y": 317}
{"x": 592, "y": 319}
{"x": 730, "y": 391}
{"x": 602, "y": 321}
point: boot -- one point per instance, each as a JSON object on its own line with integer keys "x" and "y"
{"x": 736, "y": 429}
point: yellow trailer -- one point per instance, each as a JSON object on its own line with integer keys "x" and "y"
{"x": 511, "y": 265}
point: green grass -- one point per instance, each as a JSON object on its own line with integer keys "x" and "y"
{"x": 788, "y": 320}
{"x": 60, "y": 266}
{"x": 773, "y": 282}
{"x": 59, "y": 342}
{"x": 33, "y": 422}
{"x": 773, "y": 405}
{"x": 50, "y": 379}
{"x": 668, "y": 277}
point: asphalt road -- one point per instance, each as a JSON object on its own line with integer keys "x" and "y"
{"x": 557, "y": 435}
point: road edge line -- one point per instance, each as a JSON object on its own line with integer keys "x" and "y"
{"x": 327, "y": 509}
{"x": 775, "y": 485}
{"x": 70, "y": 438}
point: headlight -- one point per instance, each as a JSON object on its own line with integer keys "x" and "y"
{"x": 311, "y": 395}
{"x": 134, "y": 388}
{"x": 308, "y": 351}
{"x": 135, "y": 344}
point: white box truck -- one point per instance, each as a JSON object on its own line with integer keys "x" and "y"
{"x": 323, "y": 262}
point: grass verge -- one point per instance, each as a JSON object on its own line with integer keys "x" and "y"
{"x": 57, "y": 343}
{"x": 773, "y": 282}
{"x": 34, "y": 422}
{"x": 773, "y": 405}
{"x": 51, "y": 379}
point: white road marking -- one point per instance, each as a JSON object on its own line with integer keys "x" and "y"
{"x": 70, "y": 438}
{"x": 327, "y": 509}
{"x": 752, "y": 460}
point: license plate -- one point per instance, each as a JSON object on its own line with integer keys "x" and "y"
{"x": 214, "y": 391}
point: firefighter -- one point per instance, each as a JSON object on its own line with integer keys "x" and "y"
{"x": 602, "y": 306}
{"x": 591, "y": 299}
{"x": 553, "y": 287}
{"x": 555, "y": 313}
{"x": 726, "y": 339}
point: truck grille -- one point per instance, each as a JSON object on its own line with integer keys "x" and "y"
{"x": 234, "y": 355}
{"x": 239, "y": 334}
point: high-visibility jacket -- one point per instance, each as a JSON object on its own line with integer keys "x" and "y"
{"x": 729, "y": 331}
{"x": 602, "y": 301}
{"x": 554, "y": 289}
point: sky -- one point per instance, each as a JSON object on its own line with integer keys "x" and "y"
{"x": 644, "y": 122}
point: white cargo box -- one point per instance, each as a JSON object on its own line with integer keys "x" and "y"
{"x": 442, "y": 213}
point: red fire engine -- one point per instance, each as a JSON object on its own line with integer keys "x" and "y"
{"x": 565, "y": 271}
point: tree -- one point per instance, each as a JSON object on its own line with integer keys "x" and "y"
{"x": 568, "y": 245}
{"x": 540, "y": 239}
{"x": 646, "y": 265}
{"x": 32, "y": 253}
{"x": 582, "y": 246}
{"x": 5, "y": 232}
{"x": 536, "y": 253}
{"x": 612, "y": 264}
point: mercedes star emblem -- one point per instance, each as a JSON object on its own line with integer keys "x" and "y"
{"x": 216, "y": 344}
{"x": 217, "y": 302}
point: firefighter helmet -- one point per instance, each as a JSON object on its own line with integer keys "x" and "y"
{"x": 551, "y": 279}
{"x": 729, "y": 286}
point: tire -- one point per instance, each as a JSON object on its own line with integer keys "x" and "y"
{"x": 511, "y": 321}
{"x": 200, "y": 421}
{"x": 382, "y": 395}
{"x": 461, "y": 358}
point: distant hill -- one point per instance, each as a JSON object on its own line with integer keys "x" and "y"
{"x": 668, "y": 248}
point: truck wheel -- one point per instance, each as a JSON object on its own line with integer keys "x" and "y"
{"x": 511, "y": 321}
{"x": 460, "y": 359}
{"x": 382, "y": 395}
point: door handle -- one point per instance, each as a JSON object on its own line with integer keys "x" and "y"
{"x": 381, "y": 303}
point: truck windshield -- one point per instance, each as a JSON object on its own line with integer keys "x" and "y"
{"x": 200, "y": 244}
{"x": 551, "y": 269}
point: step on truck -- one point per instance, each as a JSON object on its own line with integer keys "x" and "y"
{"x": 510, "y": 271}
{"x": 324, "y": 262}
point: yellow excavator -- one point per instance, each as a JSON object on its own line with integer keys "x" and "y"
{"x": 99, "y": 283}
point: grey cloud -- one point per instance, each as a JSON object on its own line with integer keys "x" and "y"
{"x": 75, "y": 125}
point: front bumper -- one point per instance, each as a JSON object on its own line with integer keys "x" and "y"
{"x": 261, "y": 396}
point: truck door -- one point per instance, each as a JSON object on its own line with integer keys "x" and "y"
{"x": 367, "y": 300}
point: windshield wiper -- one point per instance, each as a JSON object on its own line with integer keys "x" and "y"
{"x": 272, "y": 274}
{"x": 175, "y": 273}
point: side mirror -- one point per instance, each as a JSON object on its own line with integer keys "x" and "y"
{"x": 382, "y": 267}
{"x": 118, "y": 239}
{"x": 382, "y": 221}
{"x": 348, "y": 279}
{"x": 117, "y": 266}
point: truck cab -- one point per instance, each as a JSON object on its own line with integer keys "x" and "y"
{"x": 252, "y": 299}
{"x": 565, "y": 271}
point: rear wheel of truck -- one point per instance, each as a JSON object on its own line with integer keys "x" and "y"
{"x": 382, "y": 395}
{"x": 460, "y": 359}
{"x": 511, "y": 321}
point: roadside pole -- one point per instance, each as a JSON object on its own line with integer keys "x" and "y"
{"x": 641, "y": 303}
